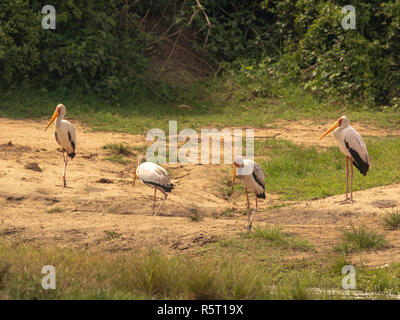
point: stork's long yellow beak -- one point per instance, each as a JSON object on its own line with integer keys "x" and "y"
{"x": 233, "y": 177}
{"x": 55, "y": 115}
{"x": 134, "y": 179}
{"x": 335, "y": 125}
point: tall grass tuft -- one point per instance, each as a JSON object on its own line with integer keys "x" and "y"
{"x": 121, "y": 148}
{"x": 360, "y": 238}
{"x": 392, "y": 220}
{"x": 276, "y": 237}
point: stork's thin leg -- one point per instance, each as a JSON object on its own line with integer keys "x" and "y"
{"x": 347, "y": 177}
{"x": 247, "y": 196}
{"x": 251, "y": 215}
{"x": 165, "y": 198}
{"x": 154, "y": 199}
{"x": 65, "y": 169}
{"x": 351, "y": 183}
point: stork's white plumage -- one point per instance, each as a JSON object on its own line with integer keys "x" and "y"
{"x": 65, "y": 136}
{"x": 253, "y": 179}
{"x": 353, "y": 147}
{"x": 154, "y": 176}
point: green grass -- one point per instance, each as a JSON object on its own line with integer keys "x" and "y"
{"x": 231, "y": 268}
{"x": 214, "y": 104}
{"x": 112, "y": 234}
{"x": 361, "y": 238}
{"x": 195, "y": 214}
{"x": 303, "y": 173}
{"x": 276, "y": 237}
{"x": 228, "y": 212}
{"x": 118, "y": 149}
{"x": 55, "y": 209}
{"x": 117, "y": 159}
{"x": 150, "y": 275}
{"x": 392, "y": 220}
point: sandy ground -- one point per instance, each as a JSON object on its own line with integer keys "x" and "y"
{"x": 114, "y": 216}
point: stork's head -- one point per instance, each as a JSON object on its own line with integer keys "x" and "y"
{"x": 60, "y": 110}
{"x": 141, "y": 159}
{"x": 342, "y": 122}
{"x": 238, "y": 162}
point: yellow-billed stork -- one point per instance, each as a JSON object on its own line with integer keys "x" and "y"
{"x": 153, "y": 176}
{"x": 353, "y": 147}
{"x": 253, "y": 179}
{"x": 65, "y": 136}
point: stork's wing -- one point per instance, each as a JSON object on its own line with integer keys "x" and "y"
{"x": 71, "y": 133}
{"x": 358, "y": 150}
{"x": 154, "y": 174}
{"x": 72, "y": 136}
{"x": 258, "y": 175}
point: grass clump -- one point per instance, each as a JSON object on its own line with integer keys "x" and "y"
{"x": 112, "y": 234}
{"x": 228, "y": 212}
{"x": 195, "y": 214}
{"x": 118, "y": 159}
{"x": 55, "y": 209}
{"x": 118, "y": 149}
{"x": 392, "y": 220}
{"x": 297, "y": 287}
{"x": 360, "y": 238}
{"x": 276, "y": 237}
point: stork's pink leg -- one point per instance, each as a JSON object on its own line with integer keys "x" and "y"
{"x": 251, "y": 215}
{"x": 351, "y": 183}
{"x": 247, "y": 196}
{"x": 65, "y": 169}
{"x": 347, "y": 177}
{"x": 165, "y": 198}
{"x": 154, "y": 199}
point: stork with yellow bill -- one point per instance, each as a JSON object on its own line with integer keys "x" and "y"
{"x": 153, "y": 176}
{"x": 253, "y": 179}
{"x": 65, "y": 136}
{"x": 353, "y": 147}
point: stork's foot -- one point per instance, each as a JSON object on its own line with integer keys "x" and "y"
{"x": 65, "y": 184}
{"x": 249, "y": 229}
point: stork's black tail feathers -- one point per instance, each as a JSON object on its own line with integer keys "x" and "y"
{"x": 261, "y": 196}
{"x": 169, "y": 189}
{"x": 72, "y": 155}
{"x": 358, "y": 162}
{"x": 361, "y": 166}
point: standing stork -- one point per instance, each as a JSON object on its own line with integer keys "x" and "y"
{"x": 353, "y": 147}
{"x": 253, "y": 179}
{"x": 154, "y": 176}
{"x": 65, "y": 136}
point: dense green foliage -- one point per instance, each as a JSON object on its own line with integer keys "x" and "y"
{"x": 105, "y": 46}
{"x": 90, "y": 46}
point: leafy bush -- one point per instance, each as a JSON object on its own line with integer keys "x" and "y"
{"x": 303, "y": 41}
{"x": 104, "y": 46}
{"x": 89, "y": 47}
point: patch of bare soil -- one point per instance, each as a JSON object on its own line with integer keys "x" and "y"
{"x": 101, "y": 211}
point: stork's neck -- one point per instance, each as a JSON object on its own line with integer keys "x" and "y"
{"x": 59, "y": 119}
{"x": 338, "y": 130}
